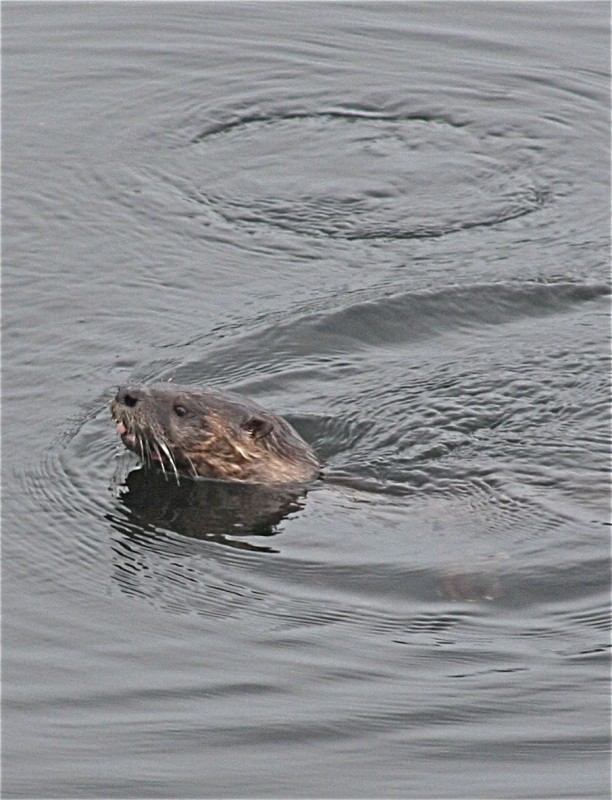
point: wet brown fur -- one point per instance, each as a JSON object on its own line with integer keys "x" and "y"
{"x": 217, "y": 435}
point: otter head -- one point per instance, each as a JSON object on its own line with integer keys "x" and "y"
{"x": 212, "y": 434}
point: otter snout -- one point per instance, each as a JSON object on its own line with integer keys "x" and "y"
{"x": 130, "y": 396}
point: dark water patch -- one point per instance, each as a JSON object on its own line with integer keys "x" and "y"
{"x": 208, "y": 509}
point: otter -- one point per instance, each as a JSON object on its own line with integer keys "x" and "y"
{"x": 207, "y": 433}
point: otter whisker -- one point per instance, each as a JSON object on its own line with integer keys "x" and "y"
{"x": 193, "y": 467}
{"x": 148, "y": 451}
{"x": 168, "y": 453}
{"x": 142, "y": 444}
{"x": 160, "y": 460}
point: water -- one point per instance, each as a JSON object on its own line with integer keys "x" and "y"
{"x": 391, "y": 224}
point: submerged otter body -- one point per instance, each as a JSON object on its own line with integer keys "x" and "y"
{"x": 211, "y": 434}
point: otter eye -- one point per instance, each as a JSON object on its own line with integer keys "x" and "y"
{"x": 180, "y": 410}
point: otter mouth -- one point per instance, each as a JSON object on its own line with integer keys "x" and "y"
{"x": 150, "y": 449}
{"x": 134, "y": 443}
{"x": 127, "y": 437}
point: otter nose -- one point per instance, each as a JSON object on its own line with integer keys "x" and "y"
{"x": 129, "y": 395}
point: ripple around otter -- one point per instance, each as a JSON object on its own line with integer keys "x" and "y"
{"x": 410, "y": 176}
{"x": 376, "y": 318}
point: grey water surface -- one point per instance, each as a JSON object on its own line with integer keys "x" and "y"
{"x": 389, "y": 223}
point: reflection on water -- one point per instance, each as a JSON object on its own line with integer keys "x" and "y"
{"x": 213, "y": 510}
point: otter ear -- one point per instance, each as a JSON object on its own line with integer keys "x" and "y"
{"x": 258, "y": 427}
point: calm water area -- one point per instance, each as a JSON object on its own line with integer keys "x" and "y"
{"x": 388, "y": 222}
